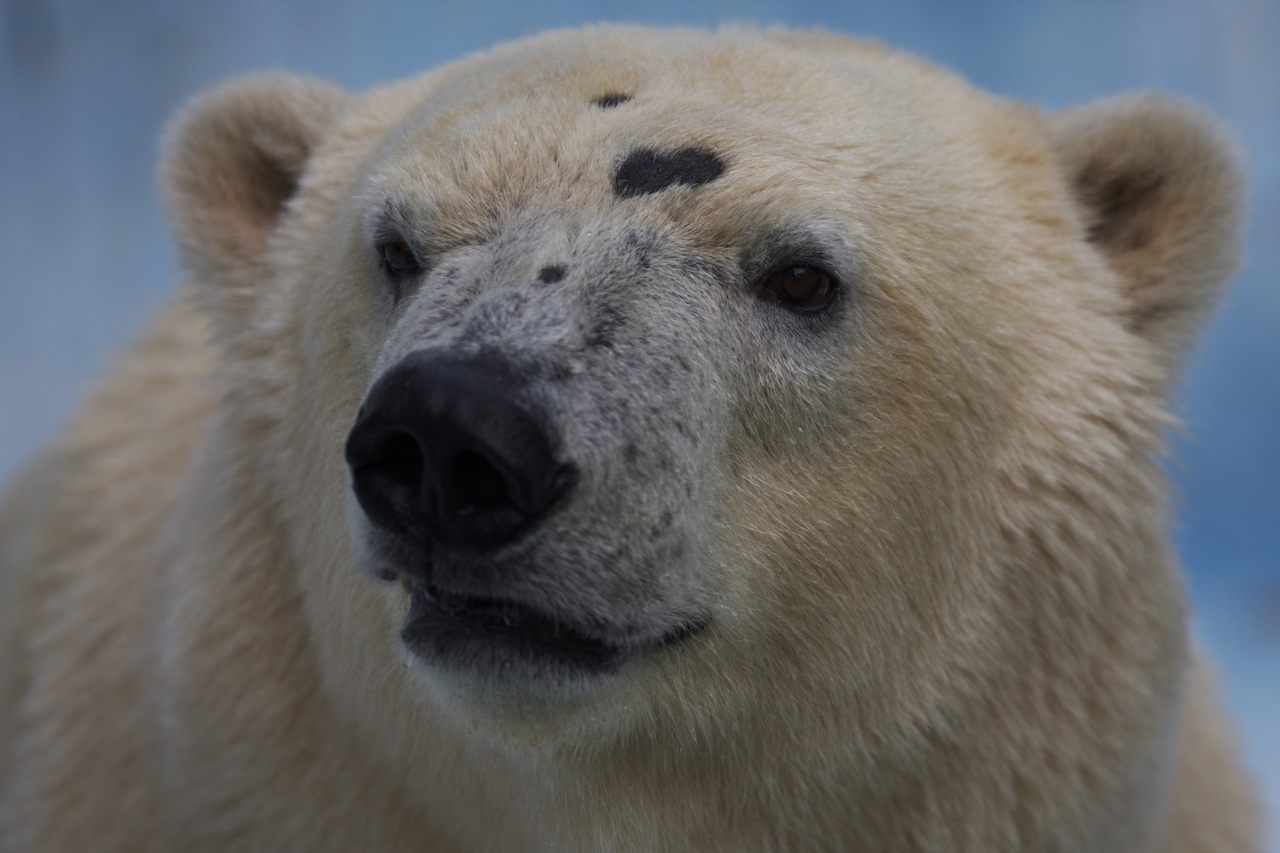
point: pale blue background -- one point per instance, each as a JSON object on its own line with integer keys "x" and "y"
{"x": 84, "y": 255}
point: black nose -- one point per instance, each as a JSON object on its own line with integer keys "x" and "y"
{"x": 443, "y": 451}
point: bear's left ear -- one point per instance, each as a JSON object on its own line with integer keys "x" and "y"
{"x": 232, "y": 160}
{"x": 1161, "y": 189}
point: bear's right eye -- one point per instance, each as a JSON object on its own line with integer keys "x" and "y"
{"x": 398, "y": 260}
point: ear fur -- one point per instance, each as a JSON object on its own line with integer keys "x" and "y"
{"x": 1161, "y": 189}
{"x": 232, "y": 160}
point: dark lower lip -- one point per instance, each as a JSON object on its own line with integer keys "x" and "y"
{"x": 474, "y": 633}
{"x": 468, "y": 632}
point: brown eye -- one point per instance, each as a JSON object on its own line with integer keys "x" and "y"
{"x": 801, "y": 288}
{"x": 398, "y": 259}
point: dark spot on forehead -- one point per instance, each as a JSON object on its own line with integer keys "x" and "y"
{"x": 610, "y": 101}
{"x": 551, "y": 274}
{"x": 648, "y": 171}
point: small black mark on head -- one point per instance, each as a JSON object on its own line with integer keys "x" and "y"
{"x": 631, "y": 453}
{"x": 551, "y": 274}
{"x": 606, "y": 102}
{"x": 647, "y": 171}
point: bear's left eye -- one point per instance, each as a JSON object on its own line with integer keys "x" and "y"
{"x": 800, "y": 288}
{"x": 398, "y": 260}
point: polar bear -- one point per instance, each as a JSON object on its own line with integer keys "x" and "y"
{"x": 632, "y": 439}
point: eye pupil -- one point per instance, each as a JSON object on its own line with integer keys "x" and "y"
{"x": 398, "y": 258}
{"x": 800, "y": 287}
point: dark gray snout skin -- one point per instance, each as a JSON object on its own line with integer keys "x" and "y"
{"x": 534, "y": 456}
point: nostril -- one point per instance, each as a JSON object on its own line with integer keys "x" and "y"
{"x": 387, "y": 474}
{"x": 477, "y": 483}
{"x": 399, "y": 461}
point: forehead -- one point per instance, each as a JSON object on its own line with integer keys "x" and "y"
{"x": 678, "y": 78}
{"x": 766, "y": 129}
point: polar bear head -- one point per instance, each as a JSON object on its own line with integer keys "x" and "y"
{"x": 689, "y": 384}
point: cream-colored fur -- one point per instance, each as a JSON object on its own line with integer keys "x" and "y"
{"x": 947, "y": 616}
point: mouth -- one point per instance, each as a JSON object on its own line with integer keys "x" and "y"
{"x": 466, "y": 632}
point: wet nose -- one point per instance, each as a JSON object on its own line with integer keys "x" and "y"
{"x": 449, "y": 452}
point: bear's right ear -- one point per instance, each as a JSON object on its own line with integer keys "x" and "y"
{"x": 232, "y": 160}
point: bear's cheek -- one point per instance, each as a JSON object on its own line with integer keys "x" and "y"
{"x": 330, "y": 331}
{"x": 825, "y": 508}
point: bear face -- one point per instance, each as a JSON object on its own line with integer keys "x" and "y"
{"x": 614, "y": 280}
{"x": 668, "y": 338}
{"x": 700, "y": 409}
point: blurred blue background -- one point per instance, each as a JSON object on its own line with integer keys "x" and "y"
{"x": 85, "y": 88}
